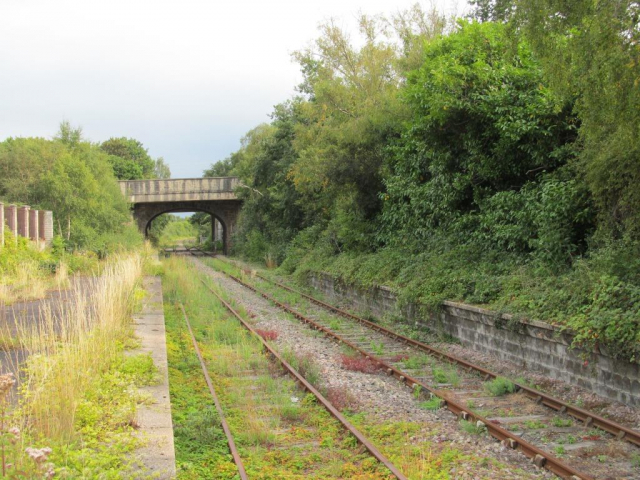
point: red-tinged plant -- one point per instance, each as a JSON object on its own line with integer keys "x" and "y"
{"x": 401, "y": 357}
{"x": 359, "y": 364}
{"x": 268, "y": 334}
{"x": 341, "y": 398}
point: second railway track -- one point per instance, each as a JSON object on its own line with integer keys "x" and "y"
{"x": 542, "y": 427}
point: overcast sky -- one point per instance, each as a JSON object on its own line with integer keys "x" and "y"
{"x": 187, "y": 78}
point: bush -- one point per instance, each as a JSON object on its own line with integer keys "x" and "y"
{"x": 500, "y": 386}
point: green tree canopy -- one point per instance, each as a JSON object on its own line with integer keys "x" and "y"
{"x": 591, "y": 53}
{"x": 131, "y": 161}
{"x": 71, "y": 177}
{"x": 484, "y": 131}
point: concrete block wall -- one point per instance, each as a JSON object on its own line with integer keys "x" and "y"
{"x": 531, "y": 345}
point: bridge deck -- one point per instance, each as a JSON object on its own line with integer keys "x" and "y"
{"x": 179, "y": 189}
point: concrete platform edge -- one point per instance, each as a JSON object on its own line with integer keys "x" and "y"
{"x": 154, "y": 419}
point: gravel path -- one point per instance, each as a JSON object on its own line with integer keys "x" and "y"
{"x": 382, "y": 398}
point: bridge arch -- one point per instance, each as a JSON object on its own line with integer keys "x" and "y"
{"x": 214, "y": 196}
{"x": 213, "y": 215}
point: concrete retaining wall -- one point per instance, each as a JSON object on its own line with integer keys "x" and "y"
{"x": 532, "y": 345}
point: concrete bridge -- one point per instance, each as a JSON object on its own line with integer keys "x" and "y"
{"x": 213, "y": 195}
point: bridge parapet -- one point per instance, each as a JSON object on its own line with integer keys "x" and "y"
{"x": 180, "y": 189}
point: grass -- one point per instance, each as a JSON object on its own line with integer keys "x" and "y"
{"x": 500, "y": 386}
{"x": 27, "y": 272}
{"x": 561, "y": 422}
{"x": 472, "y": 428}
{"x": 280, "y": 430}
{"x": 335, "y": 324}
{"x": 69, "y": 349}
{"x": 434, "y": 403}
{"x": 417, "y": 362}
{"x": 441, "y": 375}
{"x": 304, "y": 364}
{"x": 377, "y": 348}
{"x": 78, "y": 393}
{"x": 534, "y": 424}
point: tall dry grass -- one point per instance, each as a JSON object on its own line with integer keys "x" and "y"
{"x": 72, "y": 344}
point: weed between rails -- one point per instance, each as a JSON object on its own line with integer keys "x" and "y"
{"x": 500, "y": 386}
{"x": 358, "y": 363}
{"x": 280, "y": 431}
{"x": 267, "y": 334}
{"x": 414, "y": 447}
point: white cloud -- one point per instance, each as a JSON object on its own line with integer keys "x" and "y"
{"x": 187, "y": 78}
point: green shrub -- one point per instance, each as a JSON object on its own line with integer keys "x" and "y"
{"x": 434, "y": 403}
{"x": 500, "y": 386}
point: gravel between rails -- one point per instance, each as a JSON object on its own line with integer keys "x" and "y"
{"x": 616, "y": 411}
{"x": 381, "y": 398}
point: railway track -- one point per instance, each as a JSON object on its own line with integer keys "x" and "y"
{"x": 223, "y": 421}
{"x": 298, "y": 378}
{"x": 540, "y": 426}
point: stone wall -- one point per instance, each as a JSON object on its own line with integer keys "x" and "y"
{"x": 531, "y": 345}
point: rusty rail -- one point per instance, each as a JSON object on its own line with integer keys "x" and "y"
{"x": 310, "y": 388}
{"x": 223, "y": 421}
{"x": 538, "y": 456}
{"x": 589, "y": 418}
{"x": 585, "y": 416}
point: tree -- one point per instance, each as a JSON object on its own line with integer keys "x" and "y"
{"x": 352, "y": 112}
{"x": 124, "y": 169}
{"x": 68, "y": 135}
{"x": 492, "y": 10}
{"x": 133, "y": 152}
{"x": 161, "y": 169}
{"x": 591, "y": 54}
{"x": 484, "y": 132}
{"x": 73, "y": 179}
